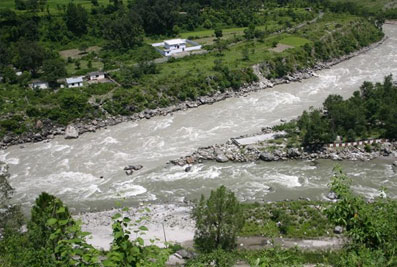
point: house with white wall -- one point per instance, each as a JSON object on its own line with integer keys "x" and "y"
{"x": 74, "y": 82}
{"x": 95, "y": 76}
{"x": 37, "y": 84}
{"x": 175, "y": 46}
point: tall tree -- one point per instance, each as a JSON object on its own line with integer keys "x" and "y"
{"x": 29, "y": 56}
{"x": 218, "y": 220}
{"x": 124, "y": 31}
{"x": 158, "y": 16}
{"x": 76, "y": 19}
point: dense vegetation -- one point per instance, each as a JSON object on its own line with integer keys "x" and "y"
{"x": 369, "y": 113}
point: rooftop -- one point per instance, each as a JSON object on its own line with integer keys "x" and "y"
{"x": 74, "y": 80}
{"x": 175, "y": 41}
{"x": 96, "y": 73}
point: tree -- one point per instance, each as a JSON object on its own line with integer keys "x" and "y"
{"x": 158, "y": 16}
{"x": 218, "y": 221}
{"x": 29, "y": 56}
{"x": 124, "y": 31}
{"x": 53, "y": 69}
{"x": 249, "y": 33}
{"x": 218, "y": 32}
{"x": 45, "y": 208}
{"x": 76, "y": 19}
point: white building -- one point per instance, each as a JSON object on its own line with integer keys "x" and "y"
{"x": 74, "y": 82}
{"x": 97, "y": 75}
{"x": 175, "y": 46}
{"x": 38, "y": 85}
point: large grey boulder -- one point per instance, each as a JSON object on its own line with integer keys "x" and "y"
{"x": 294, "y": 152}
{"x": 221, "y": 158}
{"x": 71, "y": 132}
{"x": 266, "y": 156}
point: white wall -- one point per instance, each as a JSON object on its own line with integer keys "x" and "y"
{"x": 75, "y": 85}
{"x": 100, "y": 77}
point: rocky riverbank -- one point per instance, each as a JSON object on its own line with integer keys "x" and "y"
{"x": 46, "y": 130}
{"x": 268, "y": 149}
{"x": 166, "y": 223}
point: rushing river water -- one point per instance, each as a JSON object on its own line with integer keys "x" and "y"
{"x": 71, "y": 169}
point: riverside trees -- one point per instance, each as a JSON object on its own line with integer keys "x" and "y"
{"x": 370, "y": 113}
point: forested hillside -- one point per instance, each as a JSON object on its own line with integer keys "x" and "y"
{"x": 40, "y": 41}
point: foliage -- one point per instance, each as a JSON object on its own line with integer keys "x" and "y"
{"x": 218, "y": 221}
{"x": 371, "y": 226}
{"x": 53, "y": 238}
{"x": 370, "y": 110}
{"x": 124, "y": 30}
{"x": 76, "y": 19}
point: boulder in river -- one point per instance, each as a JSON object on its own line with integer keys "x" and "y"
{"x": 332, "y": 196}
{"x": 266, "y": 156}
{"x": 188, "y": 168}
{"x": 221, "y": 158}
{"x": 71, "y": 132}
{"x": 133, "y": 167}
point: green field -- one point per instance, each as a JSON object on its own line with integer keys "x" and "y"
{"x": 294, "y": 41}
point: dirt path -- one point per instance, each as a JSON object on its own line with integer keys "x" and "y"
{"x": 257, "y": 242}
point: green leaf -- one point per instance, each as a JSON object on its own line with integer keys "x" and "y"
{"x": 51, "y": 221}
{"x": 63, "y": 222}
{"x": 116, "y": 216}
{"x": 143, "y": 228}
{"x": 140, "y": 241}
{"x": 61, "y": 210}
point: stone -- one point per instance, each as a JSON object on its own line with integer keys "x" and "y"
{"x": 129, "y": 172}
{"x": 39, "y": 124}
{"x": 266, "y": 156}
{"x": 334, "y": 156}
{"x": 7, "y": 139}
{"x": 174, "y": 260}
{"x": 294, "y": 152}
{"x": 332, "y": 196}
{"x": 184, "y": 254}
{"x": 221, "y": 158}
{"x": 338, "y": 230}
{"x": 71, "y": 132}
{"x": 189, "y": 160}
{"x": 188, "y": 169}
{"x": 133, "y": 167}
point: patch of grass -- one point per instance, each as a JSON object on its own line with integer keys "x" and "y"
{"x": 295, "y": 41}
{"x": 295, "y": 219}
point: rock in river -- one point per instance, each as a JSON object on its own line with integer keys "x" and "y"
{"x": 267, "y": 156}
{"x": 221, "y": 158}
{"x": 133, "y": 167}
{"x": 71, "y": 132}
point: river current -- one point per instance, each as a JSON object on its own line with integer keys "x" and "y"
{"x": 71, "y": 169}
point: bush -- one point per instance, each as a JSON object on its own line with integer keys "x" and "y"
{"x": 218, "y": 221}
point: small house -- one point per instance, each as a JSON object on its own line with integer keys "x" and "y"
{"x": 97, "y": 75}
{"x": 37, "y": 84}
{"x": 175, "y": 46}
{"x": 74, "y": 82}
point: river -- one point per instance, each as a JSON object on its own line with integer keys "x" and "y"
{"x": 71, "y": 169}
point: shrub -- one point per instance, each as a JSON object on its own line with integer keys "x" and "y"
{"x": 218, "y": 221}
